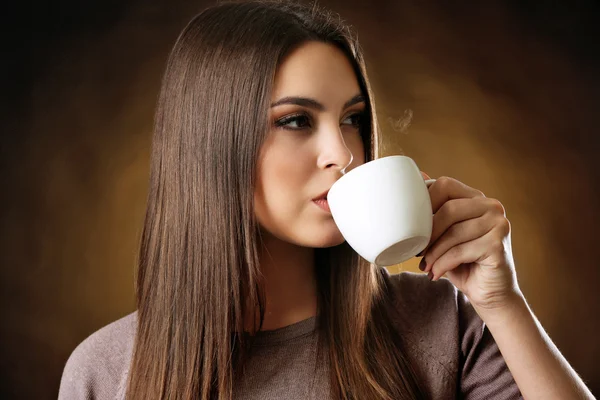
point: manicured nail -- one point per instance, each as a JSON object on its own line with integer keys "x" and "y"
{"x": 430, "y": 275}
{"x": 422, "y": 264}
{"x": 420, "y": 253}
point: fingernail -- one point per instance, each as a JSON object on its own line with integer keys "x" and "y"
{"x": 420, "y": 253}
{"x": 430, "y": 275}
{"x": 422, "y": 264}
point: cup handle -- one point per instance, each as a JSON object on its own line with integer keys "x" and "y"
{"x": 429, "y": 182}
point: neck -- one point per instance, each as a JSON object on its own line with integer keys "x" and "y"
{"x": 290, "y": 283}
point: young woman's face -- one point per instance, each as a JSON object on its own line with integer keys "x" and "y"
{"x": 315, "y": 133}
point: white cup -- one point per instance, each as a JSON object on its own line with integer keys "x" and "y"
{"x": 383, "y": 209}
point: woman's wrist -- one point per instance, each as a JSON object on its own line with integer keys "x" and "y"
{"x": 513, "y": 305}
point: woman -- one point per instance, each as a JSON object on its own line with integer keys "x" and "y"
{"x": 246, "y": 288}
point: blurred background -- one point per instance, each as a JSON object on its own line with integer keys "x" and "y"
{"x": 503, "y": 96}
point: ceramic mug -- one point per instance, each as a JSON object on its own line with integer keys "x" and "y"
{"x": 383, "y": 209}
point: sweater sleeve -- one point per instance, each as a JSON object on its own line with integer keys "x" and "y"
{"x": 483, "y": 371}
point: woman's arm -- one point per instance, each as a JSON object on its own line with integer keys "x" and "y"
{"x": 537, "y": 366}
{"x": 470, "y": 244}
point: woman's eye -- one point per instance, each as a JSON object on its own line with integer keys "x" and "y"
{"x": 356, "y": 120}
{"x": 300, "y": 121}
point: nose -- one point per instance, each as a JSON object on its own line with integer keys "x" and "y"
{"x": 333, "y": 151}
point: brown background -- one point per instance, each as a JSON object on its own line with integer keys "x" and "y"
{"x": 504, "y": 97}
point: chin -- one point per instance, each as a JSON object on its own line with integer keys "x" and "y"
{"x": 326, "y": 240}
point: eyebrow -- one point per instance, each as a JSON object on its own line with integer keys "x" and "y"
{"x": 312, "y": 103}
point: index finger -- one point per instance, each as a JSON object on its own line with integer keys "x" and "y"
{"x": 445, "y": 188}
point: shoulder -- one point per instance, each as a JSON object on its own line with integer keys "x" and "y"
{"x": 97, "y": 367}
{"x": 447, "y": 339}
{"x": 407, "y": 283}
{"x": 435, "y": 305}
{"x": 421, "y": 299}
{"x": 429, "y": 316}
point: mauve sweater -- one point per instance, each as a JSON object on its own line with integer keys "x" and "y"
{"x": 452, "y": 351}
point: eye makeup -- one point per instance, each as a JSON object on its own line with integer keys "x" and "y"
{"x": 303, "y": 120}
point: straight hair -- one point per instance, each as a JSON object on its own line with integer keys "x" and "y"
{"x": 198, "y": 269}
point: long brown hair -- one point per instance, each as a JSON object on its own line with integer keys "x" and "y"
{"x": 198, "y": 267}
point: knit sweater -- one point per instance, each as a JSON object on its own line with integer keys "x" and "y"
{"x": 453, "y": 353}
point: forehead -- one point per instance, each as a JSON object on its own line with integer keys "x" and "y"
{"x": 317, "y": 70}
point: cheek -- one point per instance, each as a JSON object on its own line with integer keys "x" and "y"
{"x": 282, "y": 174}
{"x": 280, "y": 185}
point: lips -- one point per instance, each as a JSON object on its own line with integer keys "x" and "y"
{"x": 322, "y": 196}
{"x": 323, "y": 204}
{"x": 321, "y": 201}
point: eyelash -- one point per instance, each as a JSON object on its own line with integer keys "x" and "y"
{"x": 282, "y": 122}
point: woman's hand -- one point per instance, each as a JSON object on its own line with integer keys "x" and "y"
{"x": 470, "y": 244}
